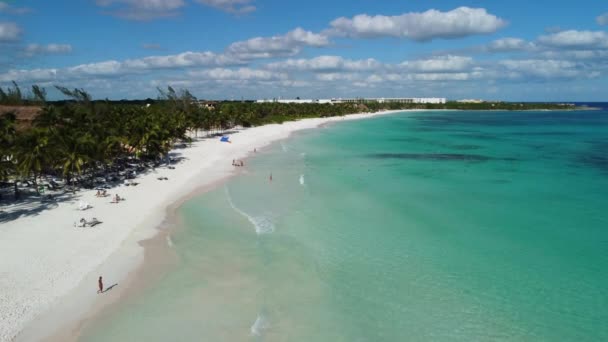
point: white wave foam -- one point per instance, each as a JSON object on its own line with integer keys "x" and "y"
{"x": 284, "y": 147}
{"x": 260, "y": 324}
{"x": 302, "y": 180}
{"x": 262, "y": 224}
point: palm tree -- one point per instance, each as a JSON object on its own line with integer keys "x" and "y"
{"x": 73, "y": 151}
{"x": 31, "y": 153}
{"x": 7, "y": 139}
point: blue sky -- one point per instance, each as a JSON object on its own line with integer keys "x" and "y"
{"x": 222, "y": 49}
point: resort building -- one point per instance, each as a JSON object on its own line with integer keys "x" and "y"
{"x": 435, "y": 100}
{"x": 294, "y": 101}
{"x": 438, "y": 100}
{"x": 471, "y": 101}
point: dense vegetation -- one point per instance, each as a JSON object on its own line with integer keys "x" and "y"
{"x": 79, "y": 139}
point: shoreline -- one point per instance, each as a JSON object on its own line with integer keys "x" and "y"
{"x": 69, "y": 259}
{"x": 158, "y": 258}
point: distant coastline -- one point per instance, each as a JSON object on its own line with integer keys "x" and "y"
{"x": 27, "y": 112}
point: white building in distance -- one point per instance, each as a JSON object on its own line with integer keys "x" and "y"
{"x": 295, "y": 101}
{"x": 471, "y": 101}
{"x": 416, "y": 100}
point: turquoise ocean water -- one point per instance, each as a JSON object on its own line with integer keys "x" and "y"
{"x": 433, "y": 226}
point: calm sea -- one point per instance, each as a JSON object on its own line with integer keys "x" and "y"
{"x": 433, "y": 226}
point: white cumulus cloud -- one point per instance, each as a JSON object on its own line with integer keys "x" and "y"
{"x": 50, "y": 49}
{"x": 153, "y": 9}
{"x": 181, "y": 60}
{"x": 509, "y": 44}
{"x": 8, "y": 8}
{"x": 432, "y": 24}
{"x": 576, "y": 39}
{"x": 9, "y": 31}
{"x": 435, "y": 77}
{"x": 230, "y": 6}
{"x": 441, "y": 64}
{"x": 114, "y": 68}
{"x": 544, "y": 68}
{"x": 602, "y": 19}
{"x": 338, "y": 76}
{"x": 238, "y": 74}
{"x": 106, "y": 68}
{"x": 142, "y": 9}
{"x": 32, "y": 75}
{"x": 599, "y": 55}
{"x": 326, "y": 64}
{"x": 288, "y": 44}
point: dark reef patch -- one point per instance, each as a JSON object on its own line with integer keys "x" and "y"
{"x": 439, "y": 157}
{"x": 464, "y": 147}
{"x": 432, "y": 156}
{"x": 478, "y": 136}
{"x": 543, "y": 134}
{"x": 436, "y": 143}
{"x": 596, "y": 156}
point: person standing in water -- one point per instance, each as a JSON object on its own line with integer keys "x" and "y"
{"x": 271, "y": 177}
{"x": 100, "y": 283}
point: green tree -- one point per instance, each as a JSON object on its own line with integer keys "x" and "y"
{"x": 72, "y": 153}
{"x": 7, "y": 141}
{"x": 31, "y": 153}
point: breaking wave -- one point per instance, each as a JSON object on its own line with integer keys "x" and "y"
{"x": 260, "y": 324}
{"x": 262, "y": 224}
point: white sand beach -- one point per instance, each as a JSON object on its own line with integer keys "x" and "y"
{"x": 49, "y": 268}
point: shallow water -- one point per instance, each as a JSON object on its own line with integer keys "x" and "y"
{"x": 426, "y": 226}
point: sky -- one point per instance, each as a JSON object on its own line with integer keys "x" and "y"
{"x": 517, "y": 50}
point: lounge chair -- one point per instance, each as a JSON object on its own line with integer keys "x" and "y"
{"x": 94, "y": 221}
{"x": 84, "y": 223}
{"x": 84, "y": 205}
{"x": 130, "y": 183}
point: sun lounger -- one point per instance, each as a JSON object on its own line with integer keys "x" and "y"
{"x": 84, "y": 223}
{"x": 84, "y": 205}
{"x": 130, "y": 183}
{"x": 94, "y": 221}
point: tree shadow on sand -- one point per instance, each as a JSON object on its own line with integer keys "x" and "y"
{"x": 31, "y": 205}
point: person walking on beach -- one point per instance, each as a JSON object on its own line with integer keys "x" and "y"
{"x": 100, "y": 283}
